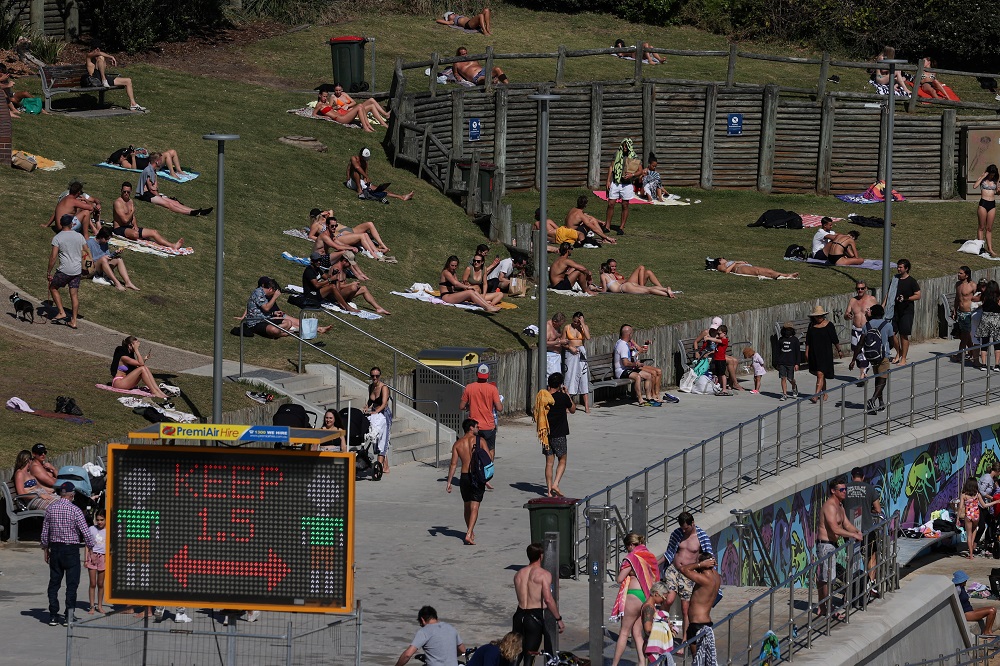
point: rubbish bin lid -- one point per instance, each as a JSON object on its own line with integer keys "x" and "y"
{"x": 346, "y": 38}
{"x": 540, "y": 502}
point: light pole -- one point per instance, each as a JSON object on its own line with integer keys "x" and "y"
{"x": 220, "y": 253}
{"x": 890, "y": 123}
{"x": 541, "y": 239}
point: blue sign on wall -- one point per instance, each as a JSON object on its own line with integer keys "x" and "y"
{"x": 734, "y": 125}
{"x": 475, "y": 125}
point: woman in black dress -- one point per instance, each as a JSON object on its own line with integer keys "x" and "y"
{"x": 821, "y": 339}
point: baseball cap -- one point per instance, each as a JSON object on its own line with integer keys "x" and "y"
{"x": 483, "y": 371}
{"x": 39, "y": 449}
{"x": 959, "y": 577}
{"x": 66, "y": 487}
{"x": 316, "y": 256}
{"x": 366, "y": 153}
{"x": 716, "y": 322}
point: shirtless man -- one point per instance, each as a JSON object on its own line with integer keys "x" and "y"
{"x": 857, "y": 314}
{"x": 97, "y": 75}
{"x": 471, "y": 495}
{"x": 565, "y": 272}
{"x": 359, "y": 180}
{"x": 85, "y": 209}
{"x": 555, "y": 343}
{"x": 842, "y": 249}
{"x": 533, "y": 586}
{"x": 473, "y": 72}
{"x": 706, "y": 590}
{"x": 577, "y": 217}
{"x": 686, "y": 542}
{"x": 344, "y": 292}
{"x": 961, "y": 311}
{"x": 833, "y": 523}
{"x": 126, "y": 225}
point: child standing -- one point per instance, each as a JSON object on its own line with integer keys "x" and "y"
{"x": 758, "y": 367}
{"x": 719, "y": 360}
{"x": 788, "y": 360}
{"x": 95, "y": 563}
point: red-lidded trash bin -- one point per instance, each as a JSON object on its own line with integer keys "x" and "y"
{"x": 348, "y": 55}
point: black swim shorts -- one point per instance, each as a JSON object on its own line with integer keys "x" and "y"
{"x": 469, "y": 492}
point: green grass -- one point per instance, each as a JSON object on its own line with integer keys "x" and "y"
{"x": 271, "y": 187}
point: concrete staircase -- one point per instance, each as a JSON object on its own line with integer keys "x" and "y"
{"x": 412, "y": 434}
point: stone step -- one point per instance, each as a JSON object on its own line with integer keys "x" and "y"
{"x": 298, "y": 383}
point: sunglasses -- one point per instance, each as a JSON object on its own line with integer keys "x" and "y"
{"x": 375, "y": 376}
{"x": 842, "y": 489}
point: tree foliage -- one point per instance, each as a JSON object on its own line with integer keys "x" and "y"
{"x": 135, "y": 25}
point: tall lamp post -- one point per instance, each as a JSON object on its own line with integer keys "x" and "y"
{"x": 220, "y": 253}
{"x": 890, "y": 124}
{"x": 541, "y": 239}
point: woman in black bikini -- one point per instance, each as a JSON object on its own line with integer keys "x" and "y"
{"x": 454, "y": 292}
{"x": 379, "y": 415}
{"x": 842, "y": 249}
{"x": 480, "y": 22}
{"x": 987, "y": 210}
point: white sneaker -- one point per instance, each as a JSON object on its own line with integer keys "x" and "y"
{"x": 100, "y": 279}
{"x": 137, "y": 107}
{"x": 158, "y": 612}
{"x": 182, "y": 617}
{"x": 253, "y": 616}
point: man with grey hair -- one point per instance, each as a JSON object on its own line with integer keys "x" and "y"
{"x": 646, "y": 379}
{"x": 62, "y": 529}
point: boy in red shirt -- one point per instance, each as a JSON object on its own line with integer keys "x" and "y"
{"x": 719, "y": 359}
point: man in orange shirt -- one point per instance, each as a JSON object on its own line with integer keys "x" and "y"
{"x": 481, "y": 399}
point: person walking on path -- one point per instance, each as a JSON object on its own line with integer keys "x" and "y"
{"x": 577, "y": 371}
{"x": 961, "y": 311}
{"x": 987, "y": 535}
{"x": 878, "y": 322}
{"x": 556, "y": 416}
{"x": 533, "y": 587}
{"x": 787, "y": 360}
{"x": 482, "y": 400}
{"x": 472, "y": 494}
{"x": 907, "y": 292}
{"x": 821, "y": 340}
{"x": 856, "y": 313}
{"x": 62, "y": 529}
{"x": 832, "y": 525}
{"x": 706, "y": 590}
{"x": 863, "y": 506}
{"x": 683, "y": 547}
{"x": 439, "y": 641}
{"x": 637, "y": 574}
{"x": 68, "y": 249}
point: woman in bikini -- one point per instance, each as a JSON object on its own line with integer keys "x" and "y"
{"x": 637, "y": 574}
{"x": 842, "y": 249}
{"x": 577, "y": 370}
{"x": 480, "y": 22}
{"x": 454, "y": 292}
{"x": 740, "y": 267}
{"x": 987, "y": 210}
{"x": 379, "y": 412}
{"x": 615, "y": 282}
{"x": 364, "y": 234}
{"x": 325, "y": 109}
{"x": 969, "y": 506}
{"x": 475, "y": 277}
{"x": 129, "y": 369}
{"x": 880, "y": 77}
{"x": 344, "y": 103}
{"x": 26, "y": 486}
{"x": 929, "y": 83}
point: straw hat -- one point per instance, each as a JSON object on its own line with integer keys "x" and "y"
{"x": 818, "y": 311}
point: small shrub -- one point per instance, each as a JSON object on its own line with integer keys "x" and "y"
{"x": 47, "y": 49}
{"x": 10, "y": 25}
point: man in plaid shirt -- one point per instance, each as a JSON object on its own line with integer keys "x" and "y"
{"x": 64, "y": 525}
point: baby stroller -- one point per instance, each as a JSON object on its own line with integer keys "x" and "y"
{"x": 80, "y": 478}
{"x": 294, "y": 416}
{"x": 357, "y": 427}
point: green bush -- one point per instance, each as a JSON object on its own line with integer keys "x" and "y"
{"x": 47, "y": 49}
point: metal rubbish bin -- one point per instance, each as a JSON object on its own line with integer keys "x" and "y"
{"x": 486, "y": 171}
{"x": 348, "y": 55}
{"x": 555, "y": 514}
{"x": 455, "y": 363}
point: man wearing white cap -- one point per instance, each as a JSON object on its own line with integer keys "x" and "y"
{"x": 359, "y": 180}
{"x": 482, "y": 400}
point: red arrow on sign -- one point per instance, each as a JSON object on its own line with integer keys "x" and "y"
{"x": 273, "y": 568}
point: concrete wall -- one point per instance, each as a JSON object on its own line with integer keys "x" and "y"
{"x": 922, "y": 620}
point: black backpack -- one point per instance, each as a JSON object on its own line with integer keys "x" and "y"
{"x": 794, "y": 251}
{"x": 778, "y": 218}
{"x": 871, "y": 345}
{"x": 292, "y": 415}
{"x": 481, "y": 467}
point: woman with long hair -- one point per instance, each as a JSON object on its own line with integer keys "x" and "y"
{"x": 638, "y": 572}
{"x": 988, "y": 330}
{"x": 987, "y": 210}
{"x": 26, "y": 486}
{"x": 326, "y": 109}
{"x": 969, "y": 504}
{"x": 129, "y": 369}
{"x": 577, "y": 369}
{"x": 379, "y": 412}
{"x": 615, "y": 282}
{"x": 332, "y": 421}
{"x": 454, "y": 292}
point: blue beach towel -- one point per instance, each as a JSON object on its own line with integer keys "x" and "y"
{"x": 188, "y": 175}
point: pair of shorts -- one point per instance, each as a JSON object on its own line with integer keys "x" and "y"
{"x": 60, "y": 280}
{"x": 557, "y": 447}
{"x": 530, "y": 623}
{"x": 719, "y": 368}
{"x": 563, "y": 285}
{"x": 695, "y": 627}
{"x": 627, "y": 372}
{"x": 553, "y": 362}
{"x": 146, "y": 196}
{"x": 491, "y": 438}
{"x": 567, "y": 235}
{"x": 120, "y": 231}
{"x": 95, "y": 561}
{"x": 987, "y": 205}
{"x": 678, "y": 582}
{"x": 827, "y": 569}
{"x": 902, "y": 323}
{"x": 623, "y": 191}
{"x": 856, "y": 334}
{"x": 260, "y": 328}
{"x": 469, "y": 492}
{"x": 964, "y": 321}
{"x": 786, "y": 372}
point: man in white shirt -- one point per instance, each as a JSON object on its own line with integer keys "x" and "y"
{"x": 820, "y": 238}
{"x": 69, "y": 248}
{"x": 499, "y": 277}
{"x": 628, "y": 367}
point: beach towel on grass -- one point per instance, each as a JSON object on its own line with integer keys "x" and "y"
{"x": 44, "y": 163}
{"x": 156, "y": 248}
{"x": 79, "y": 420}
{"x": 603, "y": 196}
{"x": 759, "y": 277}
{"x": 421, "y": 291}
{"x": 810, "y": 220}
{"x": 162, "y": 173}
{"x": 568, "y": 292}
{"x": 298, "y": 233}
{"x": 301, "y": 261}
{"x": 333, "y": 307}
{"x": 136, "y": 391}
{"x": 870, "y": 264}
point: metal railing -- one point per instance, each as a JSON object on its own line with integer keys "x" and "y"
{"x": 792, "y": 607}
{"x": 980, "y": 654}
{"x": 339, "y": 362}
{"x": 706, "y": 474}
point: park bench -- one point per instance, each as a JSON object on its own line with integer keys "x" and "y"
{"x": 16, "y": 511}
{"x": 602, "y": 374}
{"x": 65, "y": 80}
{"x": 686, "y": 352}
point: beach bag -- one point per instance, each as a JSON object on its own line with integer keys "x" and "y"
{"x": 701, "y": 367}
{"x": 308, "y": 326}
{"x": 871, "y": 345}
{"x": 778, "y": 218}
{"x": 687, "y": 381}
{"x": 20, "y": 161}
{"x": 32, "y": 105}
{"x": 703, "y": 386}
{"x": 518, "y": 288}
{"x": 794, "y": 251}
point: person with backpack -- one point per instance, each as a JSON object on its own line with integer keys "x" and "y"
{"x": 788, "y": 357}
{"x": 875, "y": 341}
{"x": 472, "y": 482}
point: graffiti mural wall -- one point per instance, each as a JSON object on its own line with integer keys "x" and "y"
{"x": 914, "y": 483}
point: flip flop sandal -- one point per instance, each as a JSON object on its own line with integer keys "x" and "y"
{"x": 61, "y": 321}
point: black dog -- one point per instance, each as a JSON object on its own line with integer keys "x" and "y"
{"x": 22, "y": 308}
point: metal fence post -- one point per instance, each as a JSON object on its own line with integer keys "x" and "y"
{"x": 357, "y": 637}
{"x": 639, "y": 522}
{"x": 597, "y": 535}
{"x": 550, "y": 560}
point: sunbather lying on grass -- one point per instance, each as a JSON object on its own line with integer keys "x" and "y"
{"x": 740, "y": 267}
{"x": 480, "y": 22}
{"x": 325, "y": 109}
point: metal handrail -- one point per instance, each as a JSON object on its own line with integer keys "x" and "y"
{"x": 707, "y": 473}
{"x": 392, "y": 390}
{"x": 799, "y": 627}
{"x": 980, "y": 654}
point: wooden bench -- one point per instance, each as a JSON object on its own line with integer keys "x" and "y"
{"x": 602, "y": 374}
{"x": 15, "y": 513}
{"x": 65, "y": 80}
{"x": 686, "y": 353}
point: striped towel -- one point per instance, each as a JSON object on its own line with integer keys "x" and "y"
{"x": 810, "y": 220}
